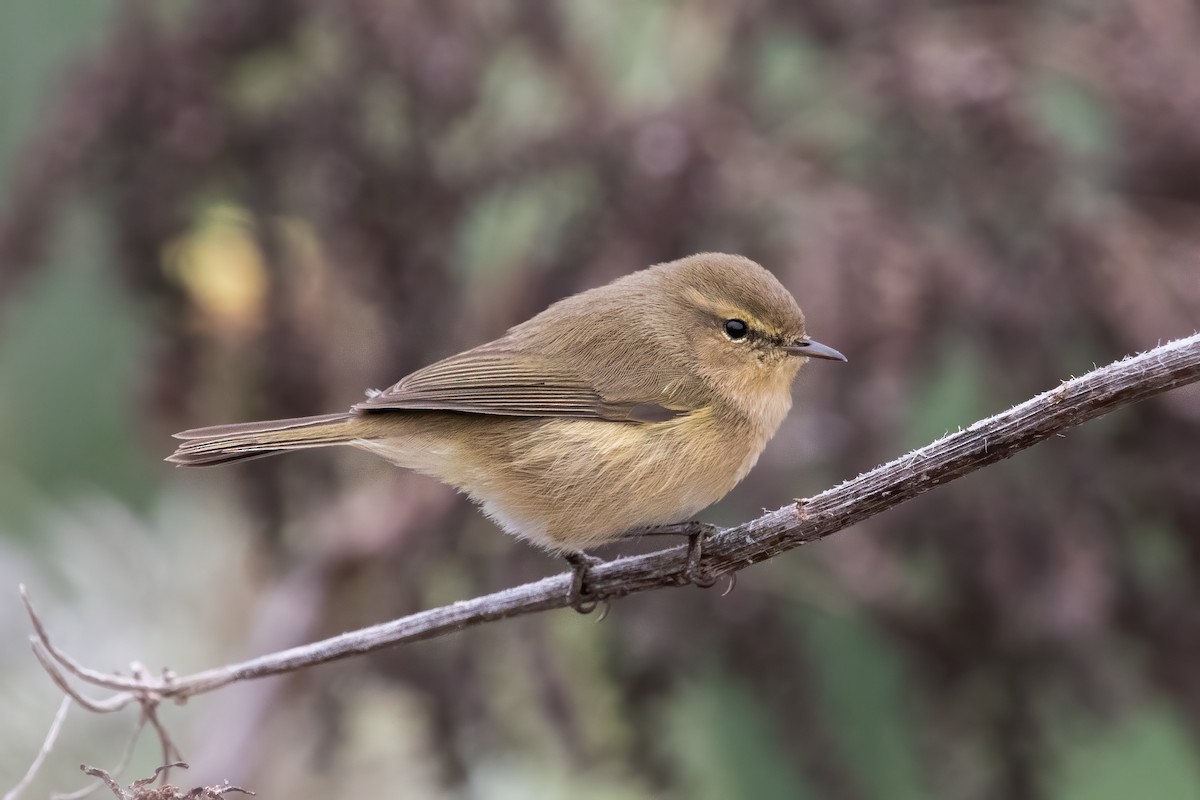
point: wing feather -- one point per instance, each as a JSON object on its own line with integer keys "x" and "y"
{"x": 509, "y": 383}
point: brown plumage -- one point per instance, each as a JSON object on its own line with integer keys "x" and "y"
{"x": 633, "y": 404}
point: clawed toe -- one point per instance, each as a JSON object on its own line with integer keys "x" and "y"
{"x": 578, "y": 597}
{"x": 696, "y": 532}
{"x": 695, "y": 573}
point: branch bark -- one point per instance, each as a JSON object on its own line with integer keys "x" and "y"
{"x": 985, "y": 442}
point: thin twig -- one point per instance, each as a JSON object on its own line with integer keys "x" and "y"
{"x": 1119, "y": 384}
{"x": 113, "y": 786}
{"x": 122, "y": 763}
{"x": 140, "y": 789}
{"x": 104, "y": 679}
{"x": 171, "y": 754}
{"x": 47, "y": 746}
{"x": 44, "y": 657}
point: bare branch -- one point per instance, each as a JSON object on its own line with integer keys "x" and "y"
{"x": 140, "y": 789}
{"x": 47, "y": 746}
{"x": 122, "y": 763}
{"x": 985, "y": 442}
{"x": 114, "y": 703}
{"x": 115, "y": 787}
{"x": 171, "y": 754}
{"x": 65, "y": 661}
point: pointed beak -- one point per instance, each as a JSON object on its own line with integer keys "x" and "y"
{"x": 810, "y": 349}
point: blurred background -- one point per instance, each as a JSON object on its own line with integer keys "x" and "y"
{"x": 225, "y": 210}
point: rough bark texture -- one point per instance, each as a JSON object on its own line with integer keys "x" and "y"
{"x": 985, "y": 442}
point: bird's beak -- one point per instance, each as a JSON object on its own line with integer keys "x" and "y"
{"x": 810, "y": 349}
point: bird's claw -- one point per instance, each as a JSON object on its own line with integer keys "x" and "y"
{"x": 578, "y": 596}
{"x": 695, "y": 573}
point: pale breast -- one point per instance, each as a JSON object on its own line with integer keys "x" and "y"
{"x": 574, "y": 484}
{"x": 569, "y": 484}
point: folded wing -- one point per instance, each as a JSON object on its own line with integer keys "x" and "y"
{"x": 509, "y": 383}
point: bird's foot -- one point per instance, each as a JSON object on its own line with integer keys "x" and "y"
{"x": 580, "y": 597}
{"x": 696, "y": 532}
{"x": 696, "y": 573}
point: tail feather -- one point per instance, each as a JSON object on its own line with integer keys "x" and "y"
{"x": 269, "y": 425}
{"x": 221, "y": 444}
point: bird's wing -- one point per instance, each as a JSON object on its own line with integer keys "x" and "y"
{"x": 509, "y": 383}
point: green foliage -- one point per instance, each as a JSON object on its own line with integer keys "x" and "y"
{"x": 69, "y": 360}
{"x": 802, "y": 101}
{"x": 651, "y": 53}
{"x": 520, "y": 221}
{"x": 863, "y": 689}
{"x": 520, "y": 98}
{"x": 36, "y": 39}
{"x": 1072, "y": 116}
{"x": 721, "y": 739}
{"x": 1149, "y": 754}
{"x": 953, "y": 392}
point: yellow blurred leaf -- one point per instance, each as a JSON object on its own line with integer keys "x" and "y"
{"x": 221, "y": 267}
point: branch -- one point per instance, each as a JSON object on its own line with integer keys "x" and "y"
{"x": 47, "y": 746}
{"x": 985, "y": 442}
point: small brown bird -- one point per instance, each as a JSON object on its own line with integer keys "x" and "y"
{"x": 627, "y": 407}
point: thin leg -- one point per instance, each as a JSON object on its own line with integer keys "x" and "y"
{"x": 691, "y": 527}
{"x": 696, "y": 532}
{"x": 581, "y": 565}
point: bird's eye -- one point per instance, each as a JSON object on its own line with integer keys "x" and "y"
{"x": 736, "y": 329}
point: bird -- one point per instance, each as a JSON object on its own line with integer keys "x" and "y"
{"x": 623, "y": 409}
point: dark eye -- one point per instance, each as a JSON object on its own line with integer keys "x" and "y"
{"x": 736, "y": 329}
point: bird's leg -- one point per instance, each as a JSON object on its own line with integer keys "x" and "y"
{"x": 581, "y": 565}
{"x": 696, "y": 532}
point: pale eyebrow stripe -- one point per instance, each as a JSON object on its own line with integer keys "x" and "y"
{"x": 722, "y": 311}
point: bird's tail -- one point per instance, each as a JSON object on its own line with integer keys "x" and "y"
{"x": 221, "y": 444}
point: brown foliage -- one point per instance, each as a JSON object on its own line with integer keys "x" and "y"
{"x": 971, "y": 202}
